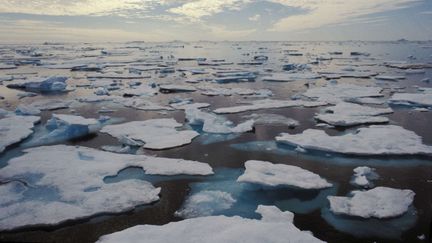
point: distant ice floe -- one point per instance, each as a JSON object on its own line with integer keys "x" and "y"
{"x": 214, "y": 91}
{"x": 51, "y": 84}
{"x": 379, "y": 202}
{"x": 289, "y": 77}
{"x": 424, "y": 98}
{"x": 142, "y": 104}
{"x": 151, "y": 134}
{"x": 172, "y": 88}
{"x": 363, "y": 176}
{"x": 279, "y": 175}
{"x": 212, "y": 123}
{"x": 14, "y": 128}
{"x": 349, "y": 114}
{"x": 272, "y": 119}
{"x": 66, "y": 182}
{"x": 362, "y": 141}
{"x": 267, "y": 104}
{"x": 342, "y": 92}
{"x": 274, "y": 226}
{"x": 389, "y": 78}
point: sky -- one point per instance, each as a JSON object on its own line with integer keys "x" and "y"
{"x": 213, "y": 20}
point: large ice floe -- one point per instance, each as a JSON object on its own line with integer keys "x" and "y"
{"x": 335, "y": 93}
{"x": 349, "y": 114}
{"x": 379, "y": 202}
{"x": 64, "y": 127}
{"x": 267, "y": 104}
{"x": 274, "y": 226}
{"x": 280, "y": 175}
{"x": 212, "y": 123}
{"x": 152, "y": 134}
{"x": 67, "y": 182}
{"x": 372, "y": 140}
{"x": 51, "y": 84}
{"x": 13, "y": 129}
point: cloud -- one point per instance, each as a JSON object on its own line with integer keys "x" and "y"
{"x": 76, "y": 7}
{"x": 200, "y": 8}
{"x": 38, "y": 31}
{"x": 256, "y": 17}
{"x": 319, "y": 13}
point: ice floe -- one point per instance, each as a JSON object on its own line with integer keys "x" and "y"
{"x": 349, "y": 114}
{"x": 267, "y": 104}
{"x": 51, "y": 84}
{"x": 64, "y": 127}
{"x": 279, "y": 175}
{"x": 379, "y": 202}
{"x": 212, "y": 123}
{"x": 272, "y": 119}
{"x": 67, "y": 183}
{"x": 363, "y": 176}
{"x": 151, "y": 134}
{"x": 275, "y": 226}
{"x": 340, "y": 92}
{"x": 13, "y": 129}
{"x": 362, "y": 141}
{"x": 412, "y": 99}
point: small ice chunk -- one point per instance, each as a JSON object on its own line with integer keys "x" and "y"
{"x": 362, "y": 141}
{"x": 363, "y": 176}
{"x": 213, "y": 123}
{"x": 289, "y": 77}
{"x": 380, "y": 202}
{"x": 151, "y": 134}
{"x": 274, "y": 175}
{"x": 275, "y": 226}
{"x": 101, "y": 91}
{"x": 205, "y": 203}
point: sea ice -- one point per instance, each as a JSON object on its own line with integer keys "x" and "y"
{"x": 15, "y": 128}
{"x": 362, "y": 141}
{"x": 66, "y": 182}
{"x": 363, "y": 176}
{"x": 349, "y": 114}
{"x": 340, "y": 92}
{"x": 205, "y": 203}
{"x": 213, "y": 123}
{"x": 379, "y": 202}
{"x": 151, "y": 134}
{"x": 51, "y": 84}
{"x": 275, "y": 226}
{"x": 267, "y": 104}
{"x": 279, "y": 175}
